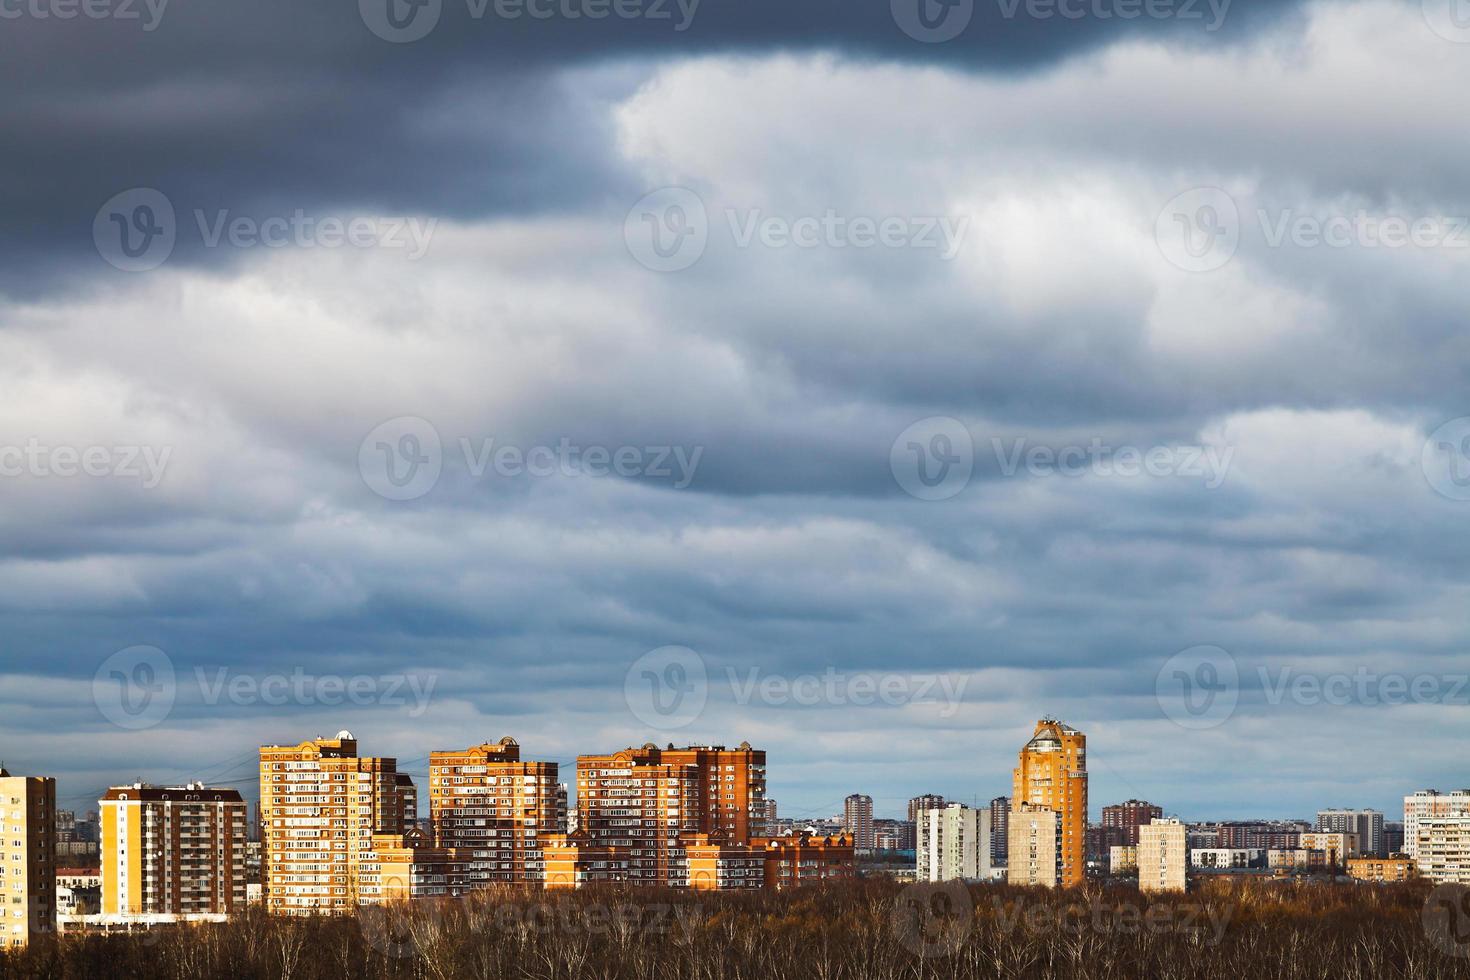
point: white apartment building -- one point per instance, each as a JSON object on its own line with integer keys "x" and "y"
{"x": 953, "y": 842}
{"x": 1431, "y": 804}
{"x": 1442, "y": 849}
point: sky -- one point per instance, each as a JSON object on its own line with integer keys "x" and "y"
{"x": 861, "y": 380}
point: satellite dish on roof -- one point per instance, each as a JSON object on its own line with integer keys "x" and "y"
{"x": 345, "y": 734}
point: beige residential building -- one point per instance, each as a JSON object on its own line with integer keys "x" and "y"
{"x": 487, "y": 802}
{"x": 27, "y": 858}
{"x": 1338, "y": 846}
{"x": 320, "y": 805}
{"x": 1163, "y": 856}
{"x": 1034, "y": 846}
{"x": 1395, "y": 867}
{"x": 1442, "y": 849}
{"x": 1123, "y": 858}
{"x": 172, "y": 851}
{"x": 1431, "y": 804}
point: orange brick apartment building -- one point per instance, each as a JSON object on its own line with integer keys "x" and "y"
{"x": 1051, "y": 774}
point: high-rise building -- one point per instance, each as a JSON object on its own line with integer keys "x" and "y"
{"x": 320, "y": 805}
{"x": 1033, "y": 852}
{"x": 858, "y": 819}
{"x": 1431, "y": 804}
{"x": 771, "y": 818}
{"x": 1129, "y": 816}
{"x": 28, "y": 862}
{"x": 1442, "y": 849}
{"x": 1052, "y": 773}
{"x": 1366, "y": 824}
{"x": 928, "y": 801}
{"x": 1163, "y": 856}
{"x": 486, "y": 801}
{"x": 1393, "y": 837}
{"x": 172, "y": 851}
{"x": 953, "y": 843}
{"x": 646, "y": 801}
{"x": 1000, "y": 812}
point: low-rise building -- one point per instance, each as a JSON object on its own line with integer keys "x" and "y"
{"x": 1396, "y": 867}
{"x": 1123, "y": 859}
{"x": 1339, "y": 846}
{"x": 807, "y": 859}
{"x": 1296, "y": 859}
{"x": 1221, "y": 858}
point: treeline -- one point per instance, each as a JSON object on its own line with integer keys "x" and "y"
{"x": 865, "y": 930}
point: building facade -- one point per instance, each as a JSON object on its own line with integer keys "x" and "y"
{"x": 1163, "y": 856}
{"x": 1000, "y": 812}
{"x": 1227, "y": 858}
{"x": 27, "y": 858}
{"x": 172, "y": 851}
{"x": 857, "y": 818}
{"x": 1052, "y": 773}
{"x": 1367, "y": 825}
{"x": 1035, "y": 846}
{"x": 1338, "y": 846}
{"x": 1128, "y": 816}
{"x": 953, "y": 843}
{"x": 496, "y": 808}
{"x": 320, "y": 806}
{"x": 1442, "y": 849}
{"x": 1431, "y": 804}
{"x": 807, "y": 859}
{"x": 1395, "y": 868}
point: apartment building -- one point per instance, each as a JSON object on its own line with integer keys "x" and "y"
{"x": 1035, "y": 846}
{"x": 919, "y": 804}
{"x": 1296, "y": 859}
{"x": 953, "y": 843}
{"x": 1052, "y": 773}
{"x": 487, "y": 802}
{"x": 320, "y": 806}
{"x": 858, "y": 821}
{"x": 1366, "y": 824}
{"x": 806, "y": 859}
{"x": 1000, "y": 812}
{"x": 1227, "y": 858}
{"x": 1338, "y": 846}
{"x": 573, "y": 860}
{"x": 1127, "y": 817}
{"x": 649, "y": 800}
{"x": 1431, "y": 804}
{"x": 1163, "y": 856}
{"x": 716, "y": 864}
{"x": 172, "y": 852}
{"x": 1442, "y": 849}
{"x": 398, "y": 867}
{"x": 27, "y": 858}
{"x": 1394, "y": 868}
{"x": 1122, "y": 859}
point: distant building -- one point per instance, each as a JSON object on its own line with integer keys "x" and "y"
{"x": 1339, "y": 846}
{"x": 1296, "y": 859}
{"x": 1393, "y": 837}
{"x": 1123, "y": 859}
{"x": 1366, "y": 824}
{"x": 805, "y": 859}
{"x": 1163, "y": 856}
{"x": 1431, "y": 804}
{"x": 28, "y": 865}
{"x": 929, "y": 801}
{"x": 1222, "y": 858}
{"x": 1442, "y": 848}
{"x": 1000, "y": 811}
{"x": 953, "y": 844}
{"x": 772, "y": 819}
{"x": 1035, "y": 846}
{"x": 1396, "y": 868}
{"x": 1052, "y": 773}
{"x": 172, "y": 852}
{"x": 858, "y": 820}
{"x": 1128, "y": 816}
{"x": 893, "y": 835}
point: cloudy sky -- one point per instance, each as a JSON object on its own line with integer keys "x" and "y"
{"x": 912, "y": 373}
